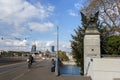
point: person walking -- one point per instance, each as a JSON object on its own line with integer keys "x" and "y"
{"x": 53, "y": 66}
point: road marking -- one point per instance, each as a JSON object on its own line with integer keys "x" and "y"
{"x": 21, "y": 75}
{"x": 9, "y": 70}
{"x": 15, "y": 78}
{"x": 11, "y": 64}
{"x": 4, "y": 72}
{"x": 18, "y": 76}
{"x": 14, "y": 67}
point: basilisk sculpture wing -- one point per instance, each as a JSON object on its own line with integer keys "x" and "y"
{"x": 96, "y": 16}
{"x": 84, "y": 20}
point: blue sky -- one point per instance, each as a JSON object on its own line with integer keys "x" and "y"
{"x": 27, "y": 22}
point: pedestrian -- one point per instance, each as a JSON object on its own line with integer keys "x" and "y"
{"x": 53, "y": 62}
{"x": 53, "y": 66}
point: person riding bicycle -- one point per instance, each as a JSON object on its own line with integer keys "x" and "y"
{"x": 30, "y": 61}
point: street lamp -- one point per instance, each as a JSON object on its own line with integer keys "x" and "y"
{"x": 57, "y": 70}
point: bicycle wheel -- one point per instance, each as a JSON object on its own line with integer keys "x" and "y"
{"x": 29, "y": 65}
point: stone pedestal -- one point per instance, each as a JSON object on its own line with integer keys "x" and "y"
{"x": 91, "y": 46}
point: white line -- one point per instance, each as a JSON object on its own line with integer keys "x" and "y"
{"x": 11, "y": 64}
{"x": 12, "y": 68}
{"x": 4, "y": 72}
{"x": 20, "y": 75}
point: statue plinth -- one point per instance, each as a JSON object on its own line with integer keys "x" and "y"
{"x": 91, "y": 38}
{"x": 92, "y": 43}
{"x": 92, "y": 31}
{"x": 91, "y": 46}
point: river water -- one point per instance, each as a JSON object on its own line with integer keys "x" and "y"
{"x": 70, "y": 70}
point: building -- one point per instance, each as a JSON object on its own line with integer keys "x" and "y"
{"x": 52, "y": 48}
{"x": 33, "y": 49}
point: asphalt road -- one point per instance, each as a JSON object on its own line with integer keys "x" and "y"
{"x": 14, "y": 71}
{"x": 11, "y": 60}
{"x": 40, "y": 71}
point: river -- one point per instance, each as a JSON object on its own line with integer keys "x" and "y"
{"x": 70, "y": 70}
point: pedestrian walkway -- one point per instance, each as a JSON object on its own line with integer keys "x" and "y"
{"x": 41, "y": 71}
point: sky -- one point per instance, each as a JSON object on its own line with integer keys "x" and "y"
{"x": 27, "y": 22}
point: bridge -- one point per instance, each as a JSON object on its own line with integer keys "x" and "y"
{"x": 40, "y": 71}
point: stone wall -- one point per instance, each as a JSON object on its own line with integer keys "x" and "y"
{"x": 104, "y": 68}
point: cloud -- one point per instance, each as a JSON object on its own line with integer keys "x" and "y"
{"x": 15, "y": 15}
{"x": 78, "y": 5}
{"x": 9, "y": 44}
{"x": 72, "y": 13}
{"x": 51, "y": 8}
{"x": 19, "y": 11}
{"x": 46, "y": 45}
{"x": 50, "y": 43}
{"x": 24, "y": 45}
{"x": 41, "y": 27}
{"x": 40, "y": 43}
{"x": 15, "y": 43}
{"x": 65, "y": 46}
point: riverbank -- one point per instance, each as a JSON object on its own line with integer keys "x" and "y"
{"x": 68, "y": 62}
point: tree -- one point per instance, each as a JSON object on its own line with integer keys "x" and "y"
{"x": 62, "y": 56}
{"x": 109, "y": 16}
{"x": 109, "y": 13}
{"x": 112, "y": 45}
{"x": 108, "y": 24}
{"x": 77, "y": 47}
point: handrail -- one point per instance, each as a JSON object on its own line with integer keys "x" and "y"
{"x": 87, "y": 68}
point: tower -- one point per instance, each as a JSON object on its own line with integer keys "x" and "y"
{"x": 53, "y": 48}
{"x": 33, "y": 49}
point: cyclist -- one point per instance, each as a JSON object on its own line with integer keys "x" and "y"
{"x": 30, "y": 61}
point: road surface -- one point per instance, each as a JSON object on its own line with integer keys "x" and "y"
{"x": 40, "y": 71}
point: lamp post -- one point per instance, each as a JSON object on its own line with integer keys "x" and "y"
{"x": 57, "y": 72}
{"x": 57, "y": 41}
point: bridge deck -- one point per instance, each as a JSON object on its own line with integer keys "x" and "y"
{"x": 43, "y": 73}
{"x": 39, "y": 71}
